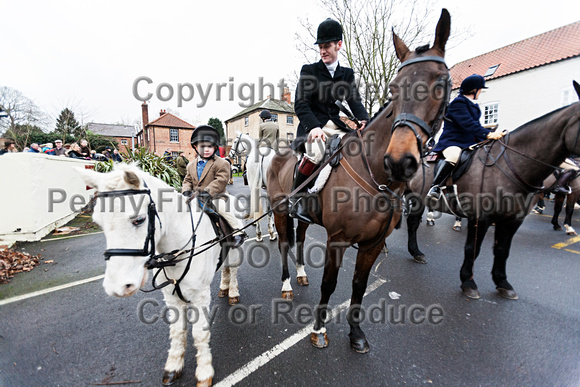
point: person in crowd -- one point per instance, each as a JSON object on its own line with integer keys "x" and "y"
{"x": 75, "y": 152}
{"x": 48, "y": 149}
{"x": 34, "y": 148}
{"x": 320, "y": 85}
{"x": 117, "y": 156}
{"x": 85, "y": 149}
{"x": 59, "y": 150}
{"x": 9, "y": 147}
{"x": 108, "y": 153}
{"x": 181, "y": 164}
{"x": 167, "y": 156}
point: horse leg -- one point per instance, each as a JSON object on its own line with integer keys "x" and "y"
{"x": 225, "y": 282}
{"x": 570, "y": 201}
{"x": 301, "y": 276}
{"x": 271, "y": 228}
{"x": 558, "y": 204}
{"x": 177, "y": 337}
{"x": 258, "y": 231}
{"x": 413, "y": 222}
{"x": 201, "y": 335}
{"x": 234, "y": 292}
{"x": 504, "y": 233}
{"x": 285, "y": 226}
{"x": 364, "y": 262}
{"x": 334, "y": 253}
{"x": 475, "y": 234}
{"x": 430, "y": 218}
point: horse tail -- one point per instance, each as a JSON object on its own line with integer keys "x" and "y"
{"x": 290, "y": 232}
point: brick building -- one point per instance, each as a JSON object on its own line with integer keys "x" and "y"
{"x": 124, "y": 135}
{"x": 167, "y": 131}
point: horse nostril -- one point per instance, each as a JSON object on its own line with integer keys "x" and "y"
{"x": 410, "y": 166}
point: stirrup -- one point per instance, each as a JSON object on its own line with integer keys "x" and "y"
{"x": 434, "y": 193}
{"x": 561, "y": 189}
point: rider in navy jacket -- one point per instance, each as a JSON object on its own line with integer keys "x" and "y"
{"x": 461, "y": 130}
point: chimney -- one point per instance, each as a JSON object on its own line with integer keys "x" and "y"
{"x": 286, "y": 96}
{"x": 162, "y": 112}
{"x": 145, "y": 115}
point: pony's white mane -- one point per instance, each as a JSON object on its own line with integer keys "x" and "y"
{"x": 116, "y": 178}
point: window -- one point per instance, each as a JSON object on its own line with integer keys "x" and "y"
{"x": 173, "y": 135}
{"x": 124, "y": 142}
{"x": 568, "y": 96}
{"x": 490, "y": 71}
{"x": 289, "y": 120}
{"x": 490, "y": 114}
{"x": 246, "y": 121}
{"x": 274, "y": 117}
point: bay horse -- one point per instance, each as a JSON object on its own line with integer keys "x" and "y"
{"x": 257, "y": 164}
{"x": 358, "y": 203}
{"x": 499, "y": 187}
{"x": 141, "y": 215}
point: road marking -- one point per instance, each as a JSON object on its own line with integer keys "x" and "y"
{"x": 249, "y": 368}
{"x": 572, "y": 251}
{"x": 50, "y": 290}
{"x": 567, "y": 243}
{"x": 71, "y": 236}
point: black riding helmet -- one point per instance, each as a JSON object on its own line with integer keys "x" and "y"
{"x": 205, "y": 133}
{"x": 329, "y": 31}
{"x": 265, "y": 114}
{"x": 472, "y": 82}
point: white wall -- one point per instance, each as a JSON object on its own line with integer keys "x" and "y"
{"x": 532, "y": 93}
{"x": 27, "y": 182}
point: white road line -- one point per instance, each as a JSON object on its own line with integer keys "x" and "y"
{"x": 249, "y": 368}
{"x": 70, "y": 236}
{"x": 50, "y": 290}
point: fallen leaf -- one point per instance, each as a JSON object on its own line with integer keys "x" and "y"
{"x": 50, "y": 261}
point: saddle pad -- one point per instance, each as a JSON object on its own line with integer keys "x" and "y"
{"x": 321, "y": 179}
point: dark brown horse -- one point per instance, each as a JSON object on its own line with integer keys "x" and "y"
{"x": 358, "y": 204}
{"x": 499, "y": 187}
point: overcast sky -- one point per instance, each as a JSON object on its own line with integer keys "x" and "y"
{"x": 87, "y": 55}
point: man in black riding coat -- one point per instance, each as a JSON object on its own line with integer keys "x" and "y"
{"x": 319, "y": 86}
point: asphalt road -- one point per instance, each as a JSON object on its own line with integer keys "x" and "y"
{"x": 79, "y": 336}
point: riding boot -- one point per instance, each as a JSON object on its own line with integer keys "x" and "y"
{"x": 442, "y": 171}
{"x": 298, "y": 203}
{"x": 562, "y": 183}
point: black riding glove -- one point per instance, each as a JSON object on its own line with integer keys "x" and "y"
{"x": 204, "y": 196}
{"x": 187, "y": 193}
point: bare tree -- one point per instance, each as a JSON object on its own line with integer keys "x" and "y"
{"x": 367, "y": 39}
{"x": 24, "y": 116}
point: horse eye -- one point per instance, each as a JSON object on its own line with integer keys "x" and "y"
{"x": 138, "y": 220}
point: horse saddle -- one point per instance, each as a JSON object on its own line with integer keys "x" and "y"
{"x": 462, "y": 165}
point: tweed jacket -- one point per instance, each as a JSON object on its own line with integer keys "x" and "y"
{"x": 214, "y": 178}
{"x": 269, "y": 134}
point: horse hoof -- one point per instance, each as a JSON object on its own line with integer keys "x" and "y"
{"x": 169, "y": 377}
{"x": 234, "y": 300}
{"x": 319, "y": 340}
{"x": 223, "y": 293}
{"x": 259, "y": 238}
{"x": 204, "y": 383}
{"x": 359, "y": 345}
{"x": 571, "y": 233}
{"x": 420, "y": 258}
{"x": 507, "y": 293}
{"x": 288, "y": 295}
{"x": 430, "y": 223}
{"x": 471, "y": 293}
{"x": 273, "y": 237}
{"x": 457, "y": 228}
{"x": 557, "y": 227}
{"x": 302, "y": 280}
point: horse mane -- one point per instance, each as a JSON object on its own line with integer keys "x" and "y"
{"x": 380, "y": 110}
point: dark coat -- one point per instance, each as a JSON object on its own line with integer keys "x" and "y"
{"x": 462, "y": 127}
{"x": 315, "y": 96}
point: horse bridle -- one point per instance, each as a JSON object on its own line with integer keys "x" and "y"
{"x": 148, "y": 249}
{"x": 406, "y": 119}
{"x": 239, "y": 141}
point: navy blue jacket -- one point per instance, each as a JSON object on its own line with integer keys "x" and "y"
{"x": 462, "y": 127}
{"x": 315, "y": 96}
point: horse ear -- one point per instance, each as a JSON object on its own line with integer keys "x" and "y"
{"x": 401, "y": 48}
{"x": 442, "y": 31}
{"x": 576, "y": 87}
{"x": 131, "y": 178}
{"x": 90, "y": 177}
